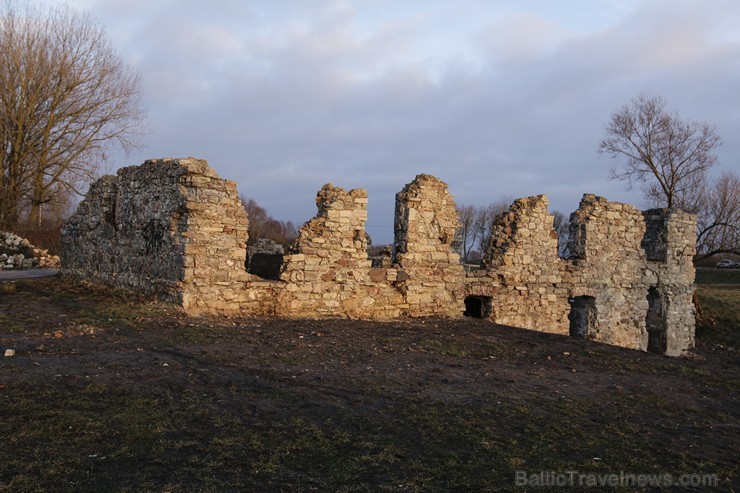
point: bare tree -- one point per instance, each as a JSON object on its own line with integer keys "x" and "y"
{"x": 718, "y": 217}
{"x": 263, "y": 225}
{"x": 66, "y": 100}
{"x": 561, "y": 225}
{"x": 257, "y": 218}
{"x": 485, "y": 218}
{"x": 465, "y": 240}
{"x": 669, "y": 155}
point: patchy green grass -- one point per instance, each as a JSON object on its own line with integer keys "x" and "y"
{"x": 718, "y": 292}
{"x": 706, "y": 275}
{"x": 104, "y": 439}
{"x": 153, "y": 401}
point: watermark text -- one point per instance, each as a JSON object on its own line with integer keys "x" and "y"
{"x": 614, "y": 480}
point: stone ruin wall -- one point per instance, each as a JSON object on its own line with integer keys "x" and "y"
{"x": 170, "y": 227}
{"x": 609, "y": 290}
{"x": 611, "y": 265}
{"x": 425, "y": 225}
{"x": 328, "y": 273}
{"x": 522, "y": 277}
{"x": 174, "y": 229}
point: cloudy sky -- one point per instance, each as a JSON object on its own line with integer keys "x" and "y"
{"x": 494, "y": 97}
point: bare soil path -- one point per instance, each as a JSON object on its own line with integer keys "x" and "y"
{"x": 15, "y": 275}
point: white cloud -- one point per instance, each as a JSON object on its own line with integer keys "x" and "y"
{"x": 520, "y": 36}
{"x": 495, "y": 98}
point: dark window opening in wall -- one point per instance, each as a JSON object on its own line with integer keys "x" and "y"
{"x": 655, "y": 323}
{"x": 655, "y": 243}
{"x": 265, "y": 259}
{"x": 478, "y": 306}
{"x": 582, "y": 316}
{"x": 264, "y": 265}
{"x": 109, "y": 217}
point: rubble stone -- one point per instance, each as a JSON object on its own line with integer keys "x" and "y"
{"x": 19, "y": 253}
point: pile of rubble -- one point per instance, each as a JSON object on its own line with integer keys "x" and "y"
{"x": 19, "y": 253}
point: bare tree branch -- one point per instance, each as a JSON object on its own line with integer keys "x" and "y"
{"x": 477, "y": 225}
{"x": 263, "y": 225}
{"x": 561, "y": 226}
{"x": 66, "y": 99}
{"x": 718, "y": 219}
{"x": 465, "y": 240}
{"x": 672, "y": 157}
{"x": 486, "y": 218}
{"x": 661, "y": 150}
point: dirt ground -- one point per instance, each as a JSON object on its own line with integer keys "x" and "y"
{"x": 107, "y": 391}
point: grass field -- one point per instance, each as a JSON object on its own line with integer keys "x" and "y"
{"x": 110, "y": 393}
{"x": 718, "y": 291}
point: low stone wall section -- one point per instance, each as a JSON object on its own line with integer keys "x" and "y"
{"x": 522, "y": 268}
{"x": 328, "y": 273}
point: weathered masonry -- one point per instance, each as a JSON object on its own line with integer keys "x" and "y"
{"x": 175, "y": 229}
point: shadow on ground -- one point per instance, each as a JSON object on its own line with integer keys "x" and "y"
{"x": 110, "y": 392}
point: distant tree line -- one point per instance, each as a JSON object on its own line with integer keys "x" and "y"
{"x": 477, "y": 222}
{"x": 263, "y": 225}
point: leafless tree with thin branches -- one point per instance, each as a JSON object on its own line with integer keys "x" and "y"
{"x": 66, "y": 100}
{"x": 476, "y": 226}
{"x": 465, "y": 240}
{"x": 673, "y": 157}
{"x": 718, "y": 217}
{"x": 263, "y": 225}
{"x": 561, "y": 226}
{"x": 485, "y": 219}
{"x": 669, "y": 155}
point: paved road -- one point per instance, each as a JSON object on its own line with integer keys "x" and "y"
{"x": 13, "y": 275}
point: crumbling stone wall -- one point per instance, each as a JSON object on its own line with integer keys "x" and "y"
{"x": 675, "y": 280}
{"x": 425, "y": 225}
{"x": 329, "y": 273}
{"x": 88, "y": 248}
{"x": 170, "y": 227}
{"x": 611, "y": 290}
{"x": 610, "y": 266}
{"x": 622, "y": 254}
{"x": 522, "y": 272}
{"x": 175, "y": 229}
